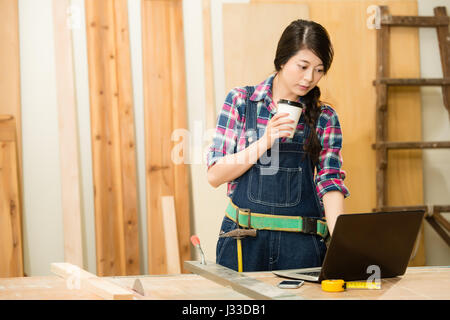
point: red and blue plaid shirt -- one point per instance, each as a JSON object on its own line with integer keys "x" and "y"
{"x": 229, "y": 136}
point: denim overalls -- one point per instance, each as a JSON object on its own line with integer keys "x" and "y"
{"x": 290, "y": 192}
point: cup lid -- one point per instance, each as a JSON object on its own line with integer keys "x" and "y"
{"x": 291, "y": 103}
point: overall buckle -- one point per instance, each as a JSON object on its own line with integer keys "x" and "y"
{"x": 240, "y": 233}
{"x": 309, "y": 225}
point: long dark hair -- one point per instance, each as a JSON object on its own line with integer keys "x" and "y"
{"x": 303, "y": 34}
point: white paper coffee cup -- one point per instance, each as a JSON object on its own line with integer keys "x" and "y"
{"x": 295, "y": 111}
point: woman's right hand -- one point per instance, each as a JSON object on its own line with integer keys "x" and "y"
{"x": 277, "y": 128}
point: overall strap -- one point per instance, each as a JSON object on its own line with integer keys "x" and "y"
{"x": 250, "y": 117}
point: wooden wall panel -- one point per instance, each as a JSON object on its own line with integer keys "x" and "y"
{"x": 113, "y": 140}
{"x": 11, "y": 254}
{"x": 348, "y": 88}
{"x": 165, "y": 111}
{"x": 250, "y": 47}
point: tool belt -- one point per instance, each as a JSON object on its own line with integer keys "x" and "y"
{"x": 262, "y": 221}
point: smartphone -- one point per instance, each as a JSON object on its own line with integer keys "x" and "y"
{"x": 290, "y": 284}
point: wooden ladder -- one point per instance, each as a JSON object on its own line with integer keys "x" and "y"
{"x": 440, "y": 21}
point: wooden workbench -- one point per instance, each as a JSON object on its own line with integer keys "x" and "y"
{"x": 421, "y": 283}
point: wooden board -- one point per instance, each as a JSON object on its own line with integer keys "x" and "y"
{"x": 68, "y": 138}
{"x": 165, "y": 111}
{"x": 424, "y": 283}
{"x": 113, "y": 140}
{"x": 181, "y": 287}
{"x": 11, "y": 255}
{"x": 170, "y": 235}
{"x": 250, "y": 47}
{"x": 10, "y": 66}
{"x": 41, "y": 288}
{"x": 210, "y": 110}
{"x": 77, "y": 278}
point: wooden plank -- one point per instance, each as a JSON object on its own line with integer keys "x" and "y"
{"x": 108, "y": 290}
{"x": 179, "y": 120}
{"x": 170, "y": 235}
{"x": 268, "y": 21}
{"x": 180, "y": 287}
{"x": 66, "y": 270}
{"x": 414, "y": 21}
{"x": 113, "y": 146}
{"x": 68, "y": 138}
{"x": 165, "y": 111}
{"x": 382, "y": 63}
{"x": 413, "y": 145}
{"x": 416, "y": 284}
{"x": 413, "y": 82}
{"x": 442, "y": 220}
{"x": 210, "y": 109}
{"x": 438, "y": 228}
{"x": 127, "y": 138}
{"x": 91, "y": 283}
{"x": 11, "y": 255}
{"x": 443, "y": 35}
{"x": 10, "y": 75}
{"x": 7, "y": 128}
{"x": 40, "y": 288}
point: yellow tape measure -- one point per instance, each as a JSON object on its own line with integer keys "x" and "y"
{"x": 341, "y": 285}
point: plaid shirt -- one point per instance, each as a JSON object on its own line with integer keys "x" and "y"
{"x": 229, "y": 136}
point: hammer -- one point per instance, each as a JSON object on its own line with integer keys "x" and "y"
{"x": 238, "y": 234}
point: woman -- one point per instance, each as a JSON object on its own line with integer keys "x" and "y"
{"x": 288, "y": 207}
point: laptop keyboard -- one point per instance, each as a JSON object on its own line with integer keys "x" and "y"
{"x": 313, "y": 274}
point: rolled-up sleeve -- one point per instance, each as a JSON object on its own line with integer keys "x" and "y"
{"x": 225, "y": 136}
{"x": 330, "y": 176}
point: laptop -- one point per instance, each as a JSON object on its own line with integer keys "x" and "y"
{"x": 361, "y": 243}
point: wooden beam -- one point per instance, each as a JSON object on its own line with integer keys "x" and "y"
{"x": 382, "y": 70}
{"x": 165, "y": 111}
{"x": 412, "y": 145}
{"x": 10, "y": 102}
{"x": 113, "y": 141}
{"x": 7, "y": 128}
{"x": 443, "y": 35}
{"x": 413, "y": 81}
{"x": 438, "y": 228}
{"x": 210, "y": 110}
{"x": 170, "y": 235}
{"x": 11, "y": 254}
{"x": 127, "y": 138}
{"x": 101, "y": 287}
{"x": 240, "y": 282}
{"x": 68, "y": 135}
{"x": 414, "y": 21}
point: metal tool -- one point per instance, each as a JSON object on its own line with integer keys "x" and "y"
{"x": 238, "y": 234}
{"x": 196, "y": 243}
